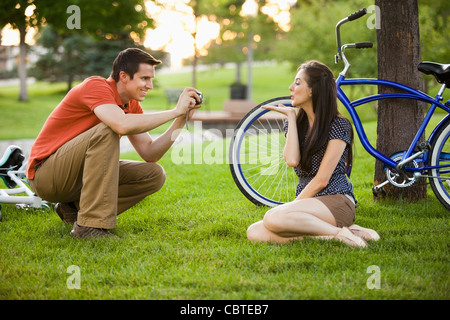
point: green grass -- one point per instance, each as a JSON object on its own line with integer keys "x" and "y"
{"x": 188, "y": 241}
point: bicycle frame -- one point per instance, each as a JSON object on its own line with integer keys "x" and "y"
{"x": 409, "y": 93}
{"x": 402, "y": 169}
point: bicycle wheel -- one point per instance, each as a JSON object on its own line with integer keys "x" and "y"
{"x": 440, "y": 156}
{"x": 256, "y": 156}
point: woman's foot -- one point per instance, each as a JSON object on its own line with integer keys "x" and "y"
{"x": 347, "y": 237}
{"x": 365, "y": 233}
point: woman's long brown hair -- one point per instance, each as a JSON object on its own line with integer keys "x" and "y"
{"x": 321, "y": 80}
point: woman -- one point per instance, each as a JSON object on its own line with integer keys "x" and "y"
{"x": 319, "y": 147}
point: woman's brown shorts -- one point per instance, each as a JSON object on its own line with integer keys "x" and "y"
{"x": 342, "y": 208}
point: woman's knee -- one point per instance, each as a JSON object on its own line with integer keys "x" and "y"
{"x": 256, "y": 232}
{"x": 271, "y": 220}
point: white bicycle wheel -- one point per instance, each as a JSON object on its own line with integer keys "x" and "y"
{"x": 256, "y": 156}
{"x": 440, "y": 156}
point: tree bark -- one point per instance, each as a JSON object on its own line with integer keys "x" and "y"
{"x": 398, "y": 57}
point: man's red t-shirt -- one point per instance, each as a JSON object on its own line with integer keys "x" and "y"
{"x": 74, "y": 115}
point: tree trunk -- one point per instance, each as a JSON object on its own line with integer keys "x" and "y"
{"x": 23, "y": 95}
{"x": 194, "y": 70}
{"x": 195, "y": 58}
{"x": 238, "y": 72}
{"x": 398, "y": 57}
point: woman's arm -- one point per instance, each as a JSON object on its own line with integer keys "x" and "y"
{"x": 330, "y": 160}
{"x": 291, "y": 148}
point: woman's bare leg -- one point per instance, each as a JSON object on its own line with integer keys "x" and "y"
{"x": 293, "y": 220}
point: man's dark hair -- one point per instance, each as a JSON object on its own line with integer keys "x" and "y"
{"x": 128, "y": 61}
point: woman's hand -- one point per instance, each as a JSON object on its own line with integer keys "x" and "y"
{"x": 281, "y": 108}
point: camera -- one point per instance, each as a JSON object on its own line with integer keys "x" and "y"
{"x": 201, "y": 98}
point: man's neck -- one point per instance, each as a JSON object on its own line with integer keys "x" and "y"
{"x": 122, "y": 94}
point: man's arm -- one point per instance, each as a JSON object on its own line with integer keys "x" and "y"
{"x": 152, "y": 150}
{"x": 136, "y": 126}
{"x": 130, "y": 124}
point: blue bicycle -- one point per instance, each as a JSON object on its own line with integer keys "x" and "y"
{"x": 256, "y": 149}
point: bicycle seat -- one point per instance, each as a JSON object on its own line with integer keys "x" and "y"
{"x": 440, "y": 71}
{"x": 12, "y": 160}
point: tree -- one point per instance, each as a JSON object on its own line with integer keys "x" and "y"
{"x": 102, "y": 19}
{"x": 21, "y": 14}
{"x": 237, "y": 32}
{"x": 64, "y": 58}
{"x": 398, "y": 57}
{"x": 312, "y": 36}
{"x": 89, "y": 31}
{"x": 76, "y": 56}
{"x": 433, "y": 19}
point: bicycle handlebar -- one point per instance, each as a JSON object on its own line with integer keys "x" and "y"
{"x": 363, "y": 45}
{"x": 360, "y": 45}
{"x": 357, "y": 14}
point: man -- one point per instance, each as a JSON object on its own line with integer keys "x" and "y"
{"x": 74, "y": 161}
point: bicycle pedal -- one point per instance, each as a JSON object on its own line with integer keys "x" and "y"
{"x": 377, "y": 191}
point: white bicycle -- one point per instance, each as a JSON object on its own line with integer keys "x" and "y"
{"x": 12, "y": 172}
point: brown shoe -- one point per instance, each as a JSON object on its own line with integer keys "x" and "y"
{"x": 67, "y": 212}
{"x": 81, "y": 232}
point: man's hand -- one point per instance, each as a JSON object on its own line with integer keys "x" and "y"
{"x": 187, "y": 102}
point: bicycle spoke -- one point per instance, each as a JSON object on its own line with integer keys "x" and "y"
{"x": 257, "y": 150}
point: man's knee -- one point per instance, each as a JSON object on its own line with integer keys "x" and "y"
{"x": 160, "y": 176}
{"x": 104, "y": 131}
{"x": 156, "y": 177}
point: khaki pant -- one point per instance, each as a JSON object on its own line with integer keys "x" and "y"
{"x": 87, "y": 170}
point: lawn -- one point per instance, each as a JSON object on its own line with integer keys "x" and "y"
{"x": 188, "y": 242}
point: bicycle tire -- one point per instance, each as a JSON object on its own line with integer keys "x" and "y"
{"x": 256, "y": 156}
{"x": 440, "y": 155}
